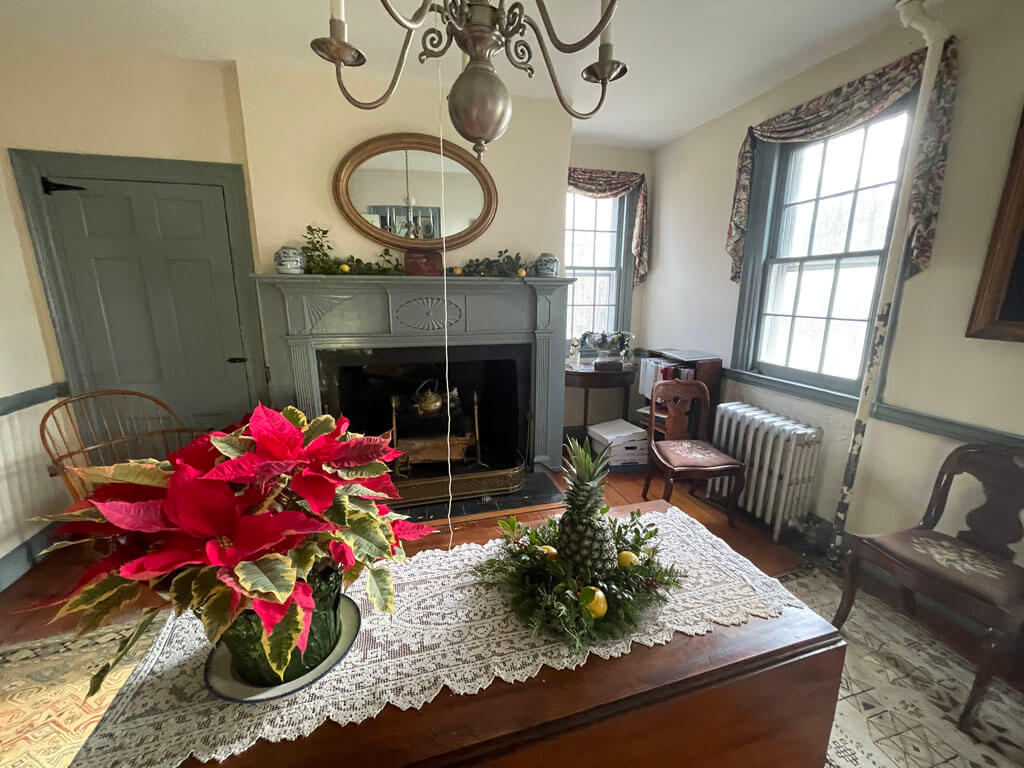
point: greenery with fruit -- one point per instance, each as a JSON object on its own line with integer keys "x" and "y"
{"x": 585, "y": 578}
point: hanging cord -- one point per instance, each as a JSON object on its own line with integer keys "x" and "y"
{"x": 444, "y": 294}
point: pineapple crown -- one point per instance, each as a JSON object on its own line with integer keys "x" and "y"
{"x": 585, "y": 474}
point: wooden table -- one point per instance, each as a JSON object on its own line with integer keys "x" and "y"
{"x": 586, "y": 377}
{"x": 761, "y": 694}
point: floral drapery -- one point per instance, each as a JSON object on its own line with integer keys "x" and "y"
{"x": 846, "y": 107}
{"x": 605, "y": 184}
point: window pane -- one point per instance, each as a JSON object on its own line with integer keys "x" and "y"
{"x": 802, "y": 175}
{"x": 805, "y": 353}
{"x": 781, "y": 288}
{"x": 815, "y": 288}
{"x": 871, "y": 219}
{"x": 569, "y": 260}
{"x": 882, "y": 150}
{"x": 604, "y": 249}
{"x": 584, "y": 288}
{"x": 856, "y": 287}
{"x": 795, "y": 230}
{"x": 583, "y": 249}
{"x": 831, "y": 225}
{"x": 774, "y": 340}
{"x": 584, "y": 212}
{"x": 604, "y": 319}
{"x": 842, "y": 159}
{"x": 606, "y": 214}
{"x": 605, "y": 288}
{"x": 844, "y": 348}
{"x": 569, "y": 196}
{"x": 570, "y": 293}
{"x": 582, "y": 320}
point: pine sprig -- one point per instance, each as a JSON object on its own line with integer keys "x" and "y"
{"x": 545, "y": 594}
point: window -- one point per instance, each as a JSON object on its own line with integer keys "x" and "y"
{"x": 599, "y": 299}
{"x": 828, "y": 233}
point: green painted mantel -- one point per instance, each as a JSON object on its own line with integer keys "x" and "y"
{"x": 302, "y": 314}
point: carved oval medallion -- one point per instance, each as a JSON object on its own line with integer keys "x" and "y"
{"x": 426, "y": 313}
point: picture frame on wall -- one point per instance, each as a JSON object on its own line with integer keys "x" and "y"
{"x": 998, "y": 311}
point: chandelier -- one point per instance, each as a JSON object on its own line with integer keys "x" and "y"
{"x": 479, "y": 103}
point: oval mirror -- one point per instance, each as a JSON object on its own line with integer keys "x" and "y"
{"x": 389, "y": 188}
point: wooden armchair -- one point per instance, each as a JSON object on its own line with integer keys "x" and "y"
{"x": 972, "y": 572}
{"x": 107, "y": 427}
{"x": 678, "y": 457}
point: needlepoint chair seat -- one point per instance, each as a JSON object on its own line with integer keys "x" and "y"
{"x": 972, "y": 572}
{"x": 692, "y": 453}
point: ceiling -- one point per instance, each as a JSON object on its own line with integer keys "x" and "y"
{"x": 689, "y": 60}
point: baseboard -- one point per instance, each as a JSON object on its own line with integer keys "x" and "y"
{"x": 19, "y": 560}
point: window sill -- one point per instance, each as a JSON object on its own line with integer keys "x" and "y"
{"x": 828, "y": 397}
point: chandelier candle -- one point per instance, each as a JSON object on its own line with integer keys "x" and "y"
{"x": 479, "y": 103}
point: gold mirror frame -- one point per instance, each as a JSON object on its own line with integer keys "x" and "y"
{"x": 421, "y": 141}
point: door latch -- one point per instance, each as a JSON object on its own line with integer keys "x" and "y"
{"x": 237, "y": 359}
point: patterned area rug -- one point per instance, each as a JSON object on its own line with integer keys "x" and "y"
{"x": 902, "y": 692}
{"x": 44, "y": 716}
{"x": 900, "y": 696}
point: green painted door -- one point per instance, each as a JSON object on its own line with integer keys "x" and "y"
{"x": 154, "y": 293}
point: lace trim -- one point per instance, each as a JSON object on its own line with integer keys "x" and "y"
{"x": 446, "y": 631}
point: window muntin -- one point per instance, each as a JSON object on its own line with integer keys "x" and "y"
{"x": 830, "y": 228}
{"x": 593, "y": 250}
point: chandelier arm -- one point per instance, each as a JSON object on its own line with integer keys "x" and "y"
{"x": 519, "y": 55}
{"x": 399, "y": 67}
{"x": 554, "y": 78}
{"x": 435, "y": 44}
{"x": 415, "y": 21}
{"x": 564, "y": 47}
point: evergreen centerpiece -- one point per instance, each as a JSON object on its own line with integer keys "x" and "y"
{"x": 257, "y": 531}
{"x": 584, "y": 577}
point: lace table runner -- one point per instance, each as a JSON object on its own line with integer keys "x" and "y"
{"x": 446, "y": 631}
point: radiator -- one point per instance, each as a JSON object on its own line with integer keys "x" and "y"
{"x": 781, "y": 458}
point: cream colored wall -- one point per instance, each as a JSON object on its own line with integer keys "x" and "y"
{"x": 690, "y": 301}
{"x": 606, "y": 404}
{"x": 298, "y": 127}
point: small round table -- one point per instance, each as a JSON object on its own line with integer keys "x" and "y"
{"x": 583, "y": 375}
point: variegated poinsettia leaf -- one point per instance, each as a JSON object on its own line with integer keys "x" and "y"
{"x": 134, "y": 472}
{"x": 203, "y": 583}
{"x": 295, "y": 416}
{"x": 233, "y": 446}
{"x": 321, "y": 425}
{"x": 281, "y": 642}
{"x": 91, "y": 594}
{"x": 304, "y": 557}
{"x": 373, "y": 469}
{"x": 272, "y": 576}
{"x": 219, "y": 611}
{"x": 365, "y": 534}
{"x": 351, "y": 575}
{"x": 111, "y": 606}
{"x": 360, "y": 491}
{"x": 381, "y": 589}
{"x": 123, "y": 647}
{"x": 181, "y": 590}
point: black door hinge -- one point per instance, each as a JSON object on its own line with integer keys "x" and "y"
{"x": 49, "y": 187}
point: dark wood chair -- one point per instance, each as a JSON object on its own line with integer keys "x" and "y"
{"x": 678, "y": 456}
{"x": 973, "y": 572}
{"x": 106, "y": 427}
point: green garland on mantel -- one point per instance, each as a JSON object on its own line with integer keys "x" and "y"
{"x": 320, "y": 261}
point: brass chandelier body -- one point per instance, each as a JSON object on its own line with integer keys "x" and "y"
{"x": 479, "y": 103}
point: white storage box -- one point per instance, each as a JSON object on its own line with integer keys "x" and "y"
{"x": 628, "y": 442}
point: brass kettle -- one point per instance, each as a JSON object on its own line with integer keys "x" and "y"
{"x": 426, "y": 400}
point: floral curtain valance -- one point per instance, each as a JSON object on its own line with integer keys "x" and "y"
{"x": 604, "y": 184}
{"x": 847, "y": 107}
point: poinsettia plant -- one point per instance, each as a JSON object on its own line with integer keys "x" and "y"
{"x": 239, "y": 521}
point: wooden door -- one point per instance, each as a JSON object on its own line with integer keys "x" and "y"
{"x": 153, "y": 292}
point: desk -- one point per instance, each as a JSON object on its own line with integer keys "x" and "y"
{"x": 760, "y": 694}
{"x": 586, "y": 377}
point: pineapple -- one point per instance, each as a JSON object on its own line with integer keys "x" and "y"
{"x": 584, "y": 534}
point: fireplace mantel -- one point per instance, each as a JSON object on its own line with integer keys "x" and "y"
{"x": 305, "y": 313}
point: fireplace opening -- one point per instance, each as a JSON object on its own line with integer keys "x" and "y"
{"x": 402, "y": 391}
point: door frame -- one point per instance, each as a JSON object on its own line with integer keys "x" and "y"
{"x": 30, "y": 165}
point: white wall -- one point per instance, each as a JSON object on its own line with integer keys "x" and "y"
{"x": 935, "y": 369}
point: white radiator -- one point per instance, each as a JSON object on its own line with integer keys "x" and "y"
{"x": 781, "y": 458}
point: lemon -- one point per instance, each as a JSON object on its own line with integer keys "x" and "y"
{"x": 598, "y": 606}
{"x": 628, "y": 559}
{"x": 521, "y": 272}
{"x": 346, "y": 268}
{"x": 549, "y": 552}
{"x": 457, "y": 270}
